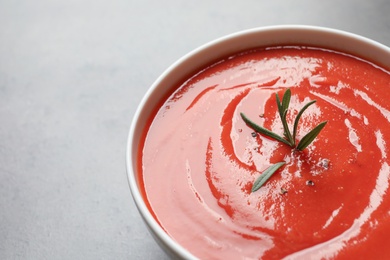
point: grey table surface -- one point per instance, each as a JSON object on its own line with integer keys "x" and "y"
{"x": 71, "y": 76}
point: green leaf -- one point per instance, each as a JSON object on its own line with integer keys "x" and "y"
{"x": 266, "y": 175}
{"x": 283, "y": 115}
{"x": 287, "y": 132}
{"x": 286, "y": 100}
{"x": 283, "y": 106}
{"x": 263, "y": 130}
{"x": 308, "y": 138}
{"x": 299, "y": 116}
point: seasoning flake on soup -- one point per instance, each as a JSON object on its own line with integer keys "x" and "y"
{"x": 199, "y": 159}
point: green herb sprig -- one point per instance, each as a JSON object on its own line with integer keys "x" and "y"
{"x": 266, "y": 175}
{"x": 289, "y": 138}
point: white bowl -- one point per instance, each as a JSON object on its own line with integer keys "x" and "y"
{"x": 210, "y": 52}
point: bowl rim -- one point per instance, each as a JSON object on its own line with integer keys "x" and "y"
{"x": 170, "y": 246}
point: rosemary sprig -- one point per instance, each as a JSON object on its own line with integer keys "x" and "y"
{"x": 289, "y": 139}
{"x": 266, "y": 175}
{"x": 263, "y": 130}
{"x": 308, "y": 138}
{"x": 283, "y": 108}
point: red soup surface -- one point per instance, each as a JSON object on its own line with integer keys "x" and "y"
{"x": 199, "y": 159}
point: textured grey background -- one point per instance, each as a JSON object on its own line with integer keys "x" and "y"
{"x": 71, "y": 75}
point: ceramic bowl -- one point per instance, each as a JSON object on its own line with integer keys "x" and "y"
{"x": 210, "y": 52}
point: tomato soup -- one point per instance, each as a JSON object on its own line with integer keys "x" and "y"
{"x": 199, "y": 159}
